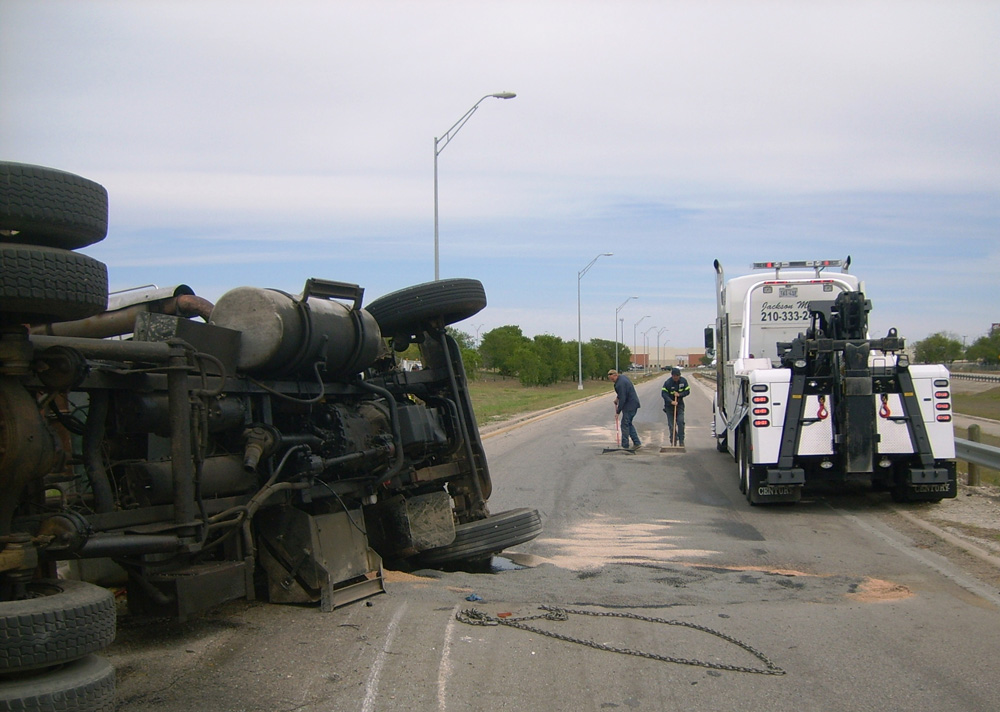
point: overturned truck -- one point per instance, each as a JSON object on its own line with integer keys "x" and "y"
{"x": 265, "y": 446}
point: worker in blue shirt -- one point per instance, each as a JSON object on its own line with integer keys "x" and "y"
{"x": 627, "y": 403}
{"x": 675, "y": 390}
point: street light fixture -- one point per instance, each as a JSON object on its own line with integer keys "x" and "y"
{"x": 579, "y": 328}
{"x": 623, "y": 328}
{"x": 439, "y": 146}
{"x": 634, "y": 349}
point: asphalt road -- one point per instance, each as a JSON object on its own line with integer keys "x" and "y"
{"x": 855, "y": 614}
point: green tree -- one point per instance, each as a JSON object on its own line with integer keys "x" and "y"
{"x": 602, "y": 358}
{"x": 472, "y": 362}
{"x": 529, "y": 366}
{"x": 985, "y": 349}
{"x": 552, "y": 360}
{"x": 467, "y": 347}
{"x": 465, "y": 340}
{"x": 499, "y": 349}
{"x": 938, "y": 348}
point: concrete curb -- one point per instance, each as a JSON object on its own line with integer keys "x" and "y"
{"x": 966, "y": 546}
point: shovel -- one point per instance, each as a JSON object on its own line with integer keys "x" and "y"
{"x": 673, "y": 447}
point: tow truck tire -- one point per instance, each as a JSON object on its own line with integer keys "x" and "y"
{"x": 485, "y": 537}
{"x": 749, "y": 475}
{"x": 46, "y": 284}
{"x": 45, "y": 206}
{"x": 63, "y": 620}
{"x": 84, "y": 685}
{"x": 742, "y": 461}
{"x": 442, "y": 302}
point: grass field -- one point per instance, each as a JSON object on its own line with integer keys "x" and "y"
{"x": 984, "y": 405}
{"x": 496, "y": 399}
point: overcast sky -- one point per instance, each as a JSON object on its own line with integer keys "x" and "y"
{"x": 263, "y": 143}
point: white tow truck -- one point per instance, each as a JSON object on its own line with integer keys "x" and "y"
{"x": 804, "y": 395}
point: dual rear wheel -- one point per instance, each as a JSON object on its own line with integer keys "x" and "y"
{"x": 44, "y": 215}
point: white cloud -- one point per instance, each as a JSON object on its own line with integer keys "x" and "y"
{"x": 668, "y": 132}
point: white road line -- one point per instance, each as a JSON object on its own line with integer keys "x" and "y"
{"x": 444, "y": 668}
{"x": 373, "y": 677}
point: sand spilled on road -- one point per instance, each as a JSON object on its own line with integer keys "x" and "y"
{"x": 608, "y": 540}
{"x": 877, "y": 591}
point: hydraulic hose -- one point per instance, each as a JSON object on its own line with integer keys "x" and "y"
{"x": 93, "y": 436}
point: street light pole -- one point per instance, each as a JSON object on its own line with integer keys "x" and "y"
{"x": 623, "y": 328}
{"x": 645, "y": 341}
{"x": 634, "y": 326}
{"x": 439, "y": 146}
{"x": 658, "y": 333}
{"x": 579, "y": 327}
{"x": 621, "y": 321}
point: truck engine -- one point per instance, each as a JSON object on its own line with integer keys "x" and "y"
{"x": 267, "y": 446}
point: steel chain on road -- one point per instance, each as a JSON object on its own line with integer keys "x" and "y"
{"x": 473, "y": 616}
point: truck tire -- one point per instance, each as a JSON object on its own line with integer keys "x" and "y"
{"x": 84, "y": 685}
{"x": 46, "y": 284}
{"x": 485, "y": 537}
{"x": 750, "y": 477}
{"x": 444, "y": 302}
{"x": 44, "y": 206}
{"x": 743, "y": 463}
{"x": 63, "y": 620}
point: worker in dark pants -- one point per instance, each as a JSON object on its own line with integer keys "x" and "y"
{"x": 675, "y": 390}
{"x": 627, "y": 403}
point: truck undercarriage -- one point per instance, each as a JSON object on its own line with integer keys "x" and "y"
{"x": 265, "y": 446}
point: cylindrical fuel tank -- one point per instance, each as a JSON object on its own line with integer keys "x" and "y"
{"x": 150, "y": 413}
{"x": 283, "y": 335}
{"x": 221, "y": 476}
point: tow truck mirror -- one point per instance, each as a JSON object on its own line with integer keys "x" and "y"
{"x": 709, "y": 338}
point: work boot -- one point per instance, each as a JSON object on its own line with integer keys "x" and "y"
{"x": 637, "y": 446}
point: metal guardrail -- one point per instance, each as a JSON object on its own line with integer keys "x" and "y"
{"x": 986, "y": 377}
{"x": 977, "y": 453}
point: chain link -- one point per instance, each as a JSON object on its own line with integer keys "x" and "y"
{"x": 473, "y": 616}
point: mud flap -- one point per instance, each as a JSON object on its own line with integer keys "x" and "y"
{"x": 769, "y": 486}
{"x": 930, "y": 484}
